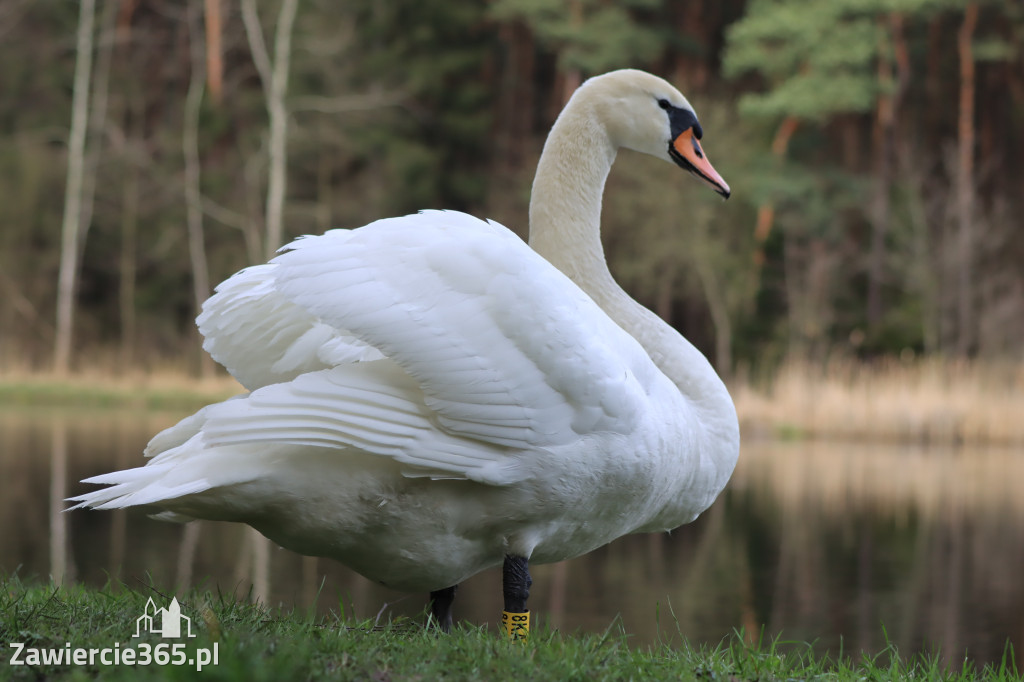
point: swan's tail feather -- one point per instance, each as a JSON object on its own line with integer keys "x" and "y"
{"x": 146, "y": 486}
{"x": 171, "y": 475}
{"x": 271, "y": 436}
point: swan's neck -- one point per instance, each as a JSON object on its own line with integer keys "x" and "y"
{"x": 565, "y": 219}
{"x": 565, "y": 203}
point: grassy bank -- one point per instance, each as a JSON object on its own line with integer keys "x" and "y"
{"x": 927, "y": 401}
{"x": 255, "y": 643}
{"x": 133, "y": 391}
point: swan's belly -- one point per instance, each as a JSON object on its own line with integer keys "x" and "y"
{"x": 417, "y": 534}
{"x": 433, "y": 534}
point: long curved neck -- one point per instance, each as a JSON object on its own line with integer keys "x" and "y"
{"x": 565, "y": 219}
{"x": 565, "y": 203}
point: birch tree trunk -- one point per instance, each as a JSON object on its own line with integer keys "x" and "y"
{"x": 190, "y": 149}
{"x": 100, "y": 95}
{"x": 127, "y": 267}
{"x": 73, "y": 190}
{"x": 274, "y": 76}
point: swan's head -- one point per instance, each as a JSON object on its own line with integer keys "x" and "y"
{"x": 645, "y": 113}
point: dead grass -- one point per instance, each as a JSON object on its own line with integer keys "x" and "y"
{"x": 927, "y": 401}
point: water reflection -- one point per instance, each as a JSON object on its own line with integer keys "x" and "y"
{"x": 60, "y": 569}
{"x": 824, "y": 543}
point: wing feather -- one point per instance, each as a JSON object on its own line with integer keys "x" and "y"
{"x": 504, "y": 347}
{"x": 437, "y": 340}
{"x": 489, "y": 350}
{"x": 374, "y": 407}
{"x": 263, "y": 338}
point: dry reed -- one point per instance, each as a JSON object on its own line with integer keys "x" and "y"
{"x": 927, "y": 401}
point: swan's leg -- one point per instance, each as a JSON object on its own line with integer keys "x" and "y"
{"x": 441, "y": 607}
{"x": 515, "y": 620}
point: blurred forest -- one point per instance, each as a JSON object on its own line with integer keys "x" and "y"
{"x": 150, "y": 148}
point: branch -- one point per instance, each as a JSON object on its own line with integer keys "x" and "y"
{"x": 223, "y": 215}
{"x": 12, "y": 14}
{"x": 22, "y": 304}
{"x": 283, "y": 48}
{"x": 258, "y": 48}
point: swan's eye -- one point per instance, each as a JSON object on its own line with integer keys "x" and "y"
{"x": 664, "y": 104}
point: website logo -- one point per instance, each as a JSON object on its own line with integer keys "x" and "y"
{"x": 163, "y": 622}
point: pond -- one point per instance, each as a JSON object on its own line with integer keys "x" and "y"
{"x": 846, "y": 546}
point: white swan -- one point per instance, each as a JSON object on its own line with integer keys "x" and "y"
{"x": 430, "y": 397}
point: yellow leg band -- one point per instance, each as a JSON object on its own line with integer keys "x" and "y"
{"x": 516, "y": 625}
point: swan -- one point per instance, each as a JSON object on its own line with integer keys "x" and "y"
{"x": 430, "y": 397}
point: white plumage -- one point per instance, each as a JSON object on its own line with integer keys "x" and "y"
{"x": 428, "y": 394}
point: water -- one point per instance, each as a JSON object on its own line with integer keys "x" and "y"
{"x": 819, "y": 542}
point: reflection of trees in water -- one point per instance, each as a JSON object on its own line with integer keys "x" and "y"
{"x": 966, "y": 592}
{"x": 939, "y": 567}
{"x": 813, "y": 541}
{"x": 61, "y": 566}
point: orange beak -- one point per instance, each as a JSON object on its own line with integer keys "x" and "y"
{"x": 687, "y": 152}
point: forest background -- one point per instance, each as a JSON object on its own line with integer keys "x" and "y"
{"x": 150, "y": 148}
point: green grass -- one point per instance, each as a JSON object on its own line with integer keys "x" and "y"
{"x": 256, "y": 643}
{"x": 162, "y": 393}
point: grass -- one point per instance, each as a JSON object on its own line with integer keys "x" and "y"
{"x": 167, "y": 391}
{"x": 256, "y": 643}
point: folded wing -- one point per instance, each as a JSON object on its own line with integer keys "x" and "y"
{"x": 505, "y": 348}
{"x": 437, "y": 340}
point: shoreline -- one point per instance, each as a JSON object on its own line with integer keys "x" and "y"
{"x": 931, "y": 402}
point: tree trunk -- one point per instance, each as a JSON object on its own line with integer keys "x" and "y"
{"x": 214, "y": 60}
{"x": 883, "y": 134}
{"x": 572, "y": 78}
{"x": 715, "y": 295}
{"x": 965, "y": 184}
{"x": 274, "y": 77}
{"x": 62, "y": 565}
{"x": 925, "y": 267}
{"x": 766, "y": 211}
{"x": 66, "y": 283}
{"x": 275, "y": 86}
{"x": 193, "y": 196}
{"x": 97, "y": 116}
{"x": 127, "y": 267}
